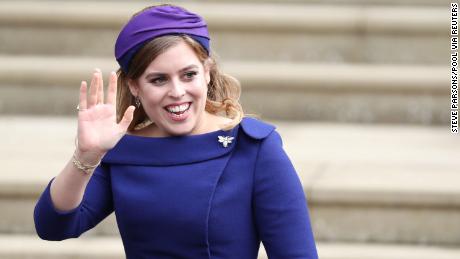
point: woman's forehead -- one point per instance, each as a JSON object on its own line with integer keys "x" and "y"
{"x": 175, "y": 59}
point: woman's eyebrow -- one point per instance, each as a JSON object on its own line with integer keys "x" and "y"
{"x": 188, "y": 67}
{"x": 157, "y": 74}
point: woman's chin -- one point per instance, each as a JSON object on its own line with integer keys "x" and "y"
{"x": 179, "y": 129}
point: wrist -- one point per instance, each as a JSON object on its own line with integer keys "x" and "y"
{"x": 82, "y": 164}
{"x": 88, "y": 157}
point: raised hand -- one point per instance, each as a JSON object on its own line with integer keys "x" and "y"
{"x": 98, "y": 130}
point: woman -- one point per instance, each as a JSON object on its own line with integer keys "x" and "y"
{"x": 186, "y": 175}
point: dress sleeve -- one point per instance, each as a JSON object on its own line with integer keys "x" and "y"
{"x": 281, "y": 212}
{"x": 97, "y": 204}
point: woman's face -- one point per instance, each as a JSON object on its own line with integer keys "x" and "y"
{"x": 173, "y": 91}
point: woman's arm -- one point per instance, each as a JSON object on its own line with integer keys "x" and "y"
{"x": 280, "y": 206}
{"x": 96, "y": 204}
{"x": 76, "y": 199}
{"x": 68, "y": 187}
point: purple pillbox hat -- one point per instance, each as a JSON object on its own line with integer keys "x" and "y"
{"x": 154, "y": 22}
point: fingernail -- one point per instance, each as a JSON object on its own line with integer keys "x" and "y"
{"x": 97, "y": 70}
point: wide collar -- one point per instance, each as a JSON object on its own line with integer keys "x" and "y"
{"x": 164, "y": 151}
{"x": 167, "y": 151}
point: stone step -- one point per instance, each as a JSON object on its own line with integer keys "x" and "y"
{"x": 348, "y": 2}
{"x": 27, "y": 246}
{"x": 364, "y": 183}
{"x": 335, "y": 2}
{"x": 30, "y": 246}
{"x": 384, "y": 251}
{"x": 294, "y": 32}
{"x": 395, "y": 184}
{"x": 279, "y": 90}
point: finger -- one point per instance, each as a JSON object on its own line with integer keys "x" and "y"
{"x": 83, "y": 89}
{"x": 127, "y": 117}
{"x": 100, "y": 92}
{"x": 112, "y": 90}
{"x": 92, "y": 99}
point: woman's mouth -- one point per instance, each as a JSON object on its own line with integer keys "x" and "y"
{"x": 178, "y": 112}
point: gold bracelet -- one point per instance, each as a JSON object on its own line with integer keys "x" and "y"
{"x": 87, "y": 169}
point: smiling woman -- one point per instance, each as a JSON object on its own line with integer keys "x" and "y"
{"x": 171, "y": 153}
{"x": 181, "y": 61}
{"x": 174, "y": 87}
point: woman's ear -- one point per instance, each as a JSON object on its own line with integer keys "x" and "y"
{"x": 133, "y": 87}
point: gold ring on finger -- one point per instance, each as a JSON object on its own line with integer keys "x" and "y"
{"x": 79, "y": 109}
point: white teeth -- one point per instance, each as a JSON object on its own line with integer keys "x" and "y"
{"x": 179, "y": 108}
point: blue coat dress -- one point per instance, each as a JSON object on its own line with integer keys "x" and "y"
{"x": 191, "y": 197}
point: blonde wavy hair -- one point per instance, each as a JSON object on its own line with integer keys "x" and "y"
{"x": 223, "y": 90}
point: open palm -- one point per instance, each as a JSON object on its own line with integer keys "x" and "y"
{"x": 98, "y": 130}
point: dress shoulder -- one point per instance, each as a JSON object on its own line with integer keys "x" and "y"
{"x": 256, "y": 129}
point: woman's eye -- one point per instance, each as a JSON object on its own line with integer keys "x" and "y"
{"x": 158, "y": 80}
{"x": 190, "y": 75}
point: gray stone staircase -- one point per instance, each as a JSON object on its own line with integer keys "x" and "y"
{"x": 374, "y": 191}
{"x": 386, "y": 188}
{"x": 20, "y": 247}
{"x": 316, "y": 62}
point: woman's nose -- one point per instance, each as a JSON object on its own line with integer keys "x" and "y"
{"x": 177, "y": 90}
